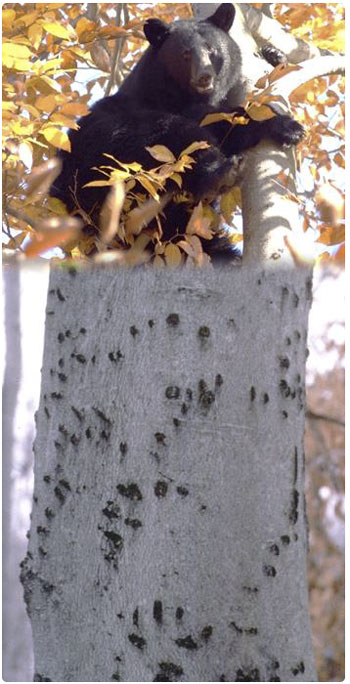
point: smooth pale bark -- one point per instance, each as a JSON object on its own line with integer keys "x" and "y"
{"x": 269, "y": 213}
{"x": 168, "y": 538}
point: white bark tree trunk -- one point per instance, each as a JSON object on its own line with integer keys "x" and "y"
{"x": 16, "y": 645}
{"x": 168, "y": 538}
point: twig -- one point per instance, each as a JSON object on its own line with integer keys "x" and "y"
{"x": 113, "y": 78}
{"x": 21, "y": 217}
{"x": 329, "y": 419}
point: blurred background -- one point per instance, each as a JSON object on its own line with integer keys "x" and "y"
{"x": 25, "y": 291}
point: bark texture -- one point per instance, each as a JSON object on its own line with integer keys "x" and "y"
{"x": 269, "y": 215}
{"x": 168, "y": 538}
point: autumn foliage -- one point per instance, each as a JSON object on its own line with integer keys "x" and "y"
{"x": 58, "y": 57}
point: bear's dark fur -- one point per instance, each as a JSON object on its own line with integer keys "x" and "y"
{"x": 191, "y": 68}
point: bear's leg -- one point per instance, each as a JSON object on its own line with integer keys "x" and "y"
{"x": 283, "y": 130}
{"x": 212, "y": 171}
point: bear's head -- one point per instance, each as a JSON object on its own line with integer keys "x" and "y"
{"x": 198, "y": 55}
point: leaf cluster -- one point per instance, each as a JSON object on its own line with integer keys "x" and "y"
{"x": 49, "y": 48}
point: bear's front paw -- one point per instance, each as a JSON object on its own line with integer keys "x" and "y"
{"x": 286, "y": 131}
{"x": 273, "y": 55}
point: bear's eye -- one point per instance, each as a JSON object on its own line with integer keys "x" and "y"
{"x": 186, "y": 55}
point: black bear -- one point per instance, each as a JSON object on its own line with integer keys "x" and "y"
{"x": 190, "y": 69}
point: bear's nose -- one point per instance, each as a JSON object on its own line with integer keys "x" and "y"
{"x": 205, "y": 80}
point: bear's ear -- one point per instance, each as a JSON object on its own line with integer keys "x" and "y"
{"x": 156, "y": 32}
{"x": 224, "y": 16}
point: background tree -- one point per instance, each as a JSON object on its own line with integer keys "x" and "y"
{"x": 45, "y": 237}
{"x": 325, "y": 448}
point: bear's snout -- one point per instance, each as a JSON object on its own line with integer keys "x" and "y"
{"x": 204, "y": 83}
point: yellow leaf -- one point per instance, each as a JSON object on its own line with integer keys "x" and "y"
{"x": 228, "y": 204}
{"x": 46, "y": 103}
{"x": 173, "y": 256}
{"x": 85, "y": 25}
{"x": 8, "y": 17}
{"x": 199, "y": 224}
{"x": 111, "y": 210}
{"x": 141, "y": 216}
{"x": 332, "y": 236}
{"x": 56, "y": 206}
{"x": 98, "y": 184}
{"x": 148, "y": 186}
{"x": 75, "y": 109}
{"x": 20, "y": 237}
{"x": 62, "y": 120}
{"x": 22, "y": 65}
{"x": 35, "y": 33}
{"x": 111, "y": 32}
{"x": 185, "y": 162}
{"x": 196, "y": 246}
{"x": 117, "y": 174}
{"x": 56, "y": 138}
{"x": 133, "y": 166}
{"x": 44, "y": 84}
{"x": 339, "y": 160}
{"x": 20, "y": 128}
{"x": 200, "y": 145}
{"x": 14, "y": 50}
{"x": 213, "y": 118}
{"x": 100, "y": 57}
{"x": 161, "y": 153}
{"x": 6, "y": 115}
{"x": 331, "y": 204}
{"x": 51, "y": 65}
{"x": 260, "y": 112}
{"x": 177, "y": 179}
{"x": 56, "y": 29}
{"x": 186, "y": 247}
{"x": 27, "y": 18}
{"x": 32, "y": 110}
{"x": 9, "y": 106}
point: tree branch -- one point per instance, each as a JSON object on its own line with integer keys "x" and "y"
{"x": 267, "y": 30}
{"x": 328, "y": 419}
{"x": 269, "y": 214}
{"x": 309, "y": 70}
{"x": 118, "y": 47}
{"x": 21, "y": 217}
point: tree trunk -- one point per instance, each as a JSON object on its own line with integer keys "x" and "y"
{"x": 16, "y": 646}
{"x": 168, "y": 538}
